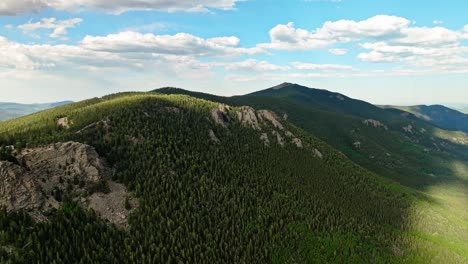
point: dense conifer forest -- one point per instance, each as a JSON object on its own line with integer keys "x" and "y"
{"x": 235, "y": 200}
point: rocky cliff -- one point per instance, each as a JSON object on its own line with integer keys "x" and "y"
{"x": 44, "y": 176}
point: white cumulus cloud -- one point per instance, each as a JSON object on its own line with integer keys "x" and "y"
{"x": 178, "y": 44}
{"x": 58, "y": 27}
{"x": 321, "y": 67}
{"x": 254, "y": 65}
{"x": 287, "y": 37}
{"x": 16, "y": 7}
{"x": 338, "y": 51}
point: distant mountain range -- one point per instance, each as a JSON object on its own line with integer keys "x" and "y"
{"x": 438, "y": 115}
{"x": 14, "y": 110}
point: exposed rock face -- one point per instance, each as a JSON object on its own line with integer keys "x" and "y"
{"x": 279, "y": 138}
{"x": 271, "y": 117}
{"x": 111, "y": 206}
{"x": 63, "y": 122}
{"x": 375, "y": 124}
{"x": 66, "y": 160}
{"x": 265, "y": 139}
{"x": 172, "y": 109}
{"x": 297, "y": 142}
{"x": 46, "y": 174}
{"x": 105, "y": 123}
{"x": 247, "y": 117}
{"x": 408, "y": 129}
{"x": 213, "y": 137}
{"x": 220, "y": 115}
{"x": 318, "y": 154}
{"x": 18, "y": 190}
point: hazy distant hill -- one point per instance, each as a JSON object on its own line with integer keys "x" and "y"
{"x": 14, "y": 110}
{"x": 438, "y": 115}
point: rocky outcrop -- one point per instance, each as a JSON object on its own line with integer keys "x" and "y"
{"x": 171, "y": 109}
{"x": 63, "y": 122}
{"x": 247, "y": 117}
{"x": 220, "y": 115}
{"x": 258, "y": 120}
{"x": 18, "y": 190}
{"x": 279, "y": 138}
{"x": 374, "y": 123}
{"x": 265, "y": 139}
{"x": 114, "y": 206}
{"x": 213, "y": 137}
{"x": 271, "y": 117}
{"x": 45, "y": 175}
{"x": 105, "y": 123}
{"x": 297, "y": 142}
{"x": 318, "y": 154}
{"x": 408, "y": 129}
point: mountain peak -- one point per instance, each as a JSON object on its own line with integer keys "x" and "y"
{"x": 281, "y": 86}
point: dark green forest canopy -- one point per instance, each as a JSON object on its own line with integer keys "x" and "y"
{"x": 398, "y": 146}
{"x": 236, "y": 201}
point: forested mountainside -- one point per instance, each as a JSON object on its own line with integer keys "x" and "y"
{"x": 210, "y": 183}
{"x": 14, "y": 110}
{"x": 438, "y": 115}
{"x": 391, "y": 143}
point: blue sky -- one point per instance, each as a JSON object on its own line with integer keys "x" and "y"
{"x": 385, "y": 52}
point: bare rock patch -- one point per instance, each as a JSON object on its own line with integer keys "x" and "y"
{"x": 114, "y": 206}
{"x": 271, "y": 117}
{"x": 213, "y": 137}
{"x": 247, "y": 117}
{"x": 220, "y": 115}
{"x": 44, "y": 176}
{"x": 63, "y": 122}
{"x": 265, "y": 139}
{"x": 375, "y": 124}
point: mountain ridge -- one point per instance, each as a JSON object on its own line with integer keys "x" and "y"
{"x": 343, "y": 122}
{"x": 439, "y": 115}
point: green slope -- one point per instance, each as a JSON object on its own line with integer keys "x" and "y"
{"x": 237, "y": 201}
{"x": 419, "y": 158}
{"x": 438, "y": 115}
